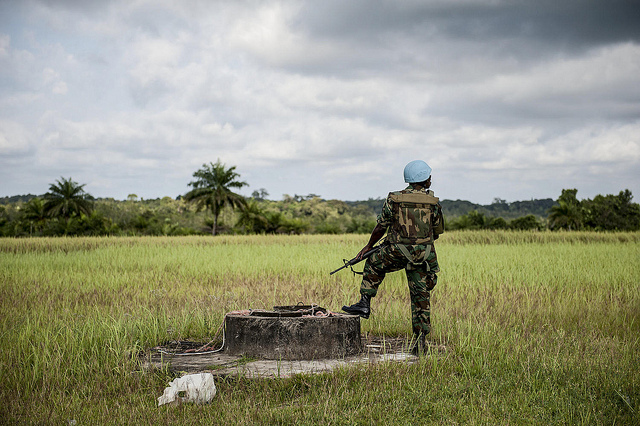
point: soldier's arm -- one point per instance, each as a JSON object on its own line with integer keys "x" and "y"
{"x": 377, "y": 234}
{"x": 384, "y": 220}
{"x": 438, "y": 222}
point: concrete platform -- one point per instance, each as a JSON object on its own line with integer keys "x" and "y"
{"x": 222, "y": 364}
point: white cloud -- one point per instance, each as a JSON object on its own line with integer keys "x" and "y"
{"x": 571, "y": 153}
{"x": 5, "y": 43}
{"x": 153, "y": 59}
{"x": 15, "y": 139}
{"x": 356, "y": 170}
{"x": 598, "y": 145}
{"x": 286, "y": 90}
{"x": 606, "y": 70}
{"x": 267, "y": 33}
{"x": 51, "y": 78}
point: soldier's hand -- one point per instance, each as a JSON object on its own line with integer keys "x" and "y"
{"x": 363, "y": 251}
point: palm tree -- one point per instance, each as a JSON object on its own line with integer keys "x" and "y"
{"x": 567, "y": 214}
{"x": 253, "y": 219}
{"x": 66, "y": 199}
{"x": 211, "y": 190}
{"x": 35, "y": 214}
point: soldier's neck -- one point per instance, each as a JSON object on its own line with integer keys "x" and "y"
{"x": 418, "y": 187}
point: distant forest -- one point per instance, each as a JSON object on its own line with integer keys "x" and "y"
{"x": 213, "y": 207}
{"x": 499, "y": 208}
{"x": 453, "y": 209}
{"x": 27, "y": 215}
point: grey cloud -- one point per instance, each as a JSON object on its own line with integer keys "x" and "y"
{"x": 572, "y": 21}
{"x": 326, "y": 97}
{"x": 439, "y": 37}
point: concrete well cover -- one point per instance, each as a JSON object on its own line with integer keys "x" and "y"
{"x": 292, "y": 333}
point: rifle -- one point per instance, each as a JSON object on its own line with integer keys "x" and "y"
{"x": 349, "y": 263}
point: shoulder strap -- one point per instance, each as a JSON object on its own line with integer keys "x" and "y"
{"x": 413, "y": 197}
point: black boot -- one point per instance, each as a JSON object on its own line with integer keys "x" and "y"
{"x": 419, "y": 345}
{"x": 362, "y": 308}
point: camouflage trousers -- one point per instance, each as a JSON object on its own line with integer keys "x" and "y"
{"x": 420, "y": 264}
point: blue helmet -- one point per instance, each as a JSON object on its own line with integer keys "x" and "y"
{"x": 416, "y": 171}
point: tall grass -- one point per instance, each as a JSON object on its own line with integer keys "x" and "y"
{"x": 539, "y": 328}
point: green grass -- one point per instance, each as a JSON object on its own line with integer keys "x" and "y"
{"x": 539, "y": 328}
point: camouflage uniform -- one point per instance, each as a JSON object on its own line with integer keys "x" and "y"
{"x": 414, "y": 220}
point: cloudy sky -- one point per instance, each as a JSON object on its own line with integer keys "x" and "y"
{"x": 512, "y": 99}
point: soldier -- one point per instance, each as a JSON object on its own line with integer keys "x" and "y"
{"x": 413, "y": 219}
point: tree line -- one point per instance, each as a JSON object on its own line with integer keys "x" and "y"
{"x": 211, "y": 206}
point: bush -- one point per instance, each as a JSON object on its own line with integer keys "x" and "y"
{"x": 526, "y": 223}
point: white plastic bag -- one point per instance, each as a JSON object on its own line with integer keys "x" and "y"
{"x": 198, "y": 388}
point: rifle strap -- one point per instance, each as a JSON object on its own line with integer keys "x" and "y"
{"x": 346, "y": 263}
{"x": 356, "y": 272}
{"x": 422, "y": 259}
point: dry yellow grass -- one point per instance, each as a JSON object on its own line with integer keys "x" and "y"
{"x": 540, "y": 328}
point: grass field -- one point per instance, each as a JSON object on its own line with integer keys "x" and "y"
{"x": 539, "y": 327}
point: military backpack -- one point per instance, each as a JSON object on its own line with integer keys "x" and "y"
{"x": 415, "y": 216}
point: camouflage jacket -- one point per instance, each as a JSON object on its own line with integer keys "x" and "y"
{"x": 412, "y": 217}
